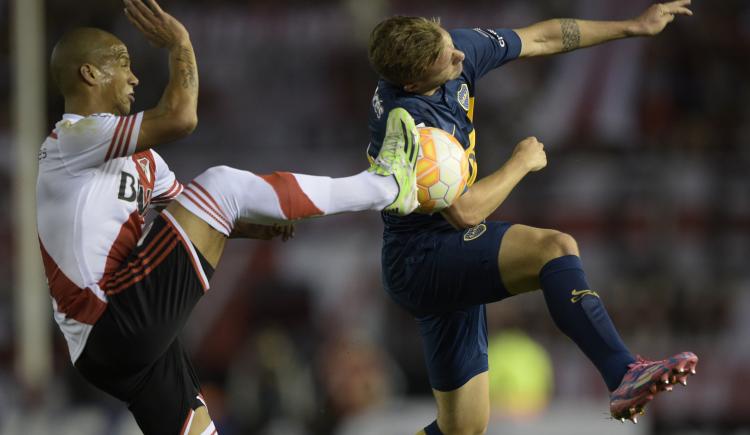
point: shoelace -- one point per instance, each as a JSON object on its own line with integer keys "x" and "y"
{"x": 640, "y": 363}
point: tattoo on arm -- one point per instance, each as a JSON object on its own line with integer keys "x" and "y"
{"x": 571, "y": 34}
{"x": 187, "y": 68}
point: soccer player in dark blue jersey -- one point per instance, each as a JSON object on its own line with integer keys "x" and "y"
{"x": 443, "y": 268}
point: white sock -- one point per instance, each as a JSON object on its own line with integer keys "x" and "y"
{"x": 221, "y": 195}
{"x": 364, "y": 191}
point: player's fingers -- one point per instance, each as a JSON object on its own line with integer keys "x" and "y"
{"x": 136, "y": 14}
{"x": 288, "y": 232}
{"x": 131, "y": 19}
{"x": 276, "y": 230}
{"x": 134, "y": 22}
{"x": 155, "y": 7}
{"x": 679, "y": 3}
{"x": 146, "y": 13}
{"x": 270, "y": 232}
{"x": 681, "y": 11}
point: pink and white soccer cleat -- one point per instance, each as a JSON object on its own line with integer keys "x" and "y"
{"x": 645, "y": 379}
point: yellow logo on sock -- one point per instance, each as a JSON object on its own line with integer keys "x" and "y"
{"x": 578, "y": 294}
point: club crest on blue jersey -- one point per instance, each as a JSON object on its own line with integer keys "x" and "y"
{"x": 462, "y": 95}
{"x": 475, "y": 232}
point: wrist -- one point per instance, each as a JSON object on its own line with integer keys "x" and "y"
{"x": 519, "y": 165}
{"x": 181, "y": 42}
{"x": 633, "y": 28}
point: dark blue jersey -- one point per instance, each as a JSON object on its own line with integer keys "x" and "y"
{"x": 450, "y": 108}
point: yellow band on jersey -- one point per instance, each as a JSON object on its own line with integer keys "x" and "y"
{"x": 470, "y": 154}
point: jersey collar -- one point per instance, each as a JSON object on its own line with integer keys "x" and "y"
{"x": 72, "y": 117}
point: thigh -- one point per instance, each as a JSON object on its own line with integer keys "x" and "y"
{"x": 149, "y": 298}
{"x": 162, "y": 396}
{"x": 169, "y": 396}
{"x": 455, "y": 346}
{"x": 209, "y": 242}
{"x": 444, "y": 270}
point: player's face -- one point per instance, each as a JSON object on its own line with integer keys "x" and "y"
{"x": 448, "y": 66}
{"x": 119, "y": 82}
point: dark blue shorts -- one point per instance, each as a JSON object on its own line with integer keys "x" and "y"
{"x": 444, "y": 277}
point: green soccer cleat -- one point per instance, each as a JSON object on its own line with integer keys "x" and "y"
{"x": 398, "y": 157}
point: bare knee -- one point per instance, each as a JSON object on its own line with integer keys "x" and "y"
{"x": 556, "y": 244}
{"x": 465, "y": 410}
{"x": 467, "y": 423}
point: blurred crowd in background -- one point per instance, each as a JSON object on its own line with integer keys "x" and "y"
{"x": 648, "y": 146}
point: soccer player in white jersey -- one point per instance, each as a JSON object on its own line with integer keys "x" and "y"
{"x": 121, "y": 294}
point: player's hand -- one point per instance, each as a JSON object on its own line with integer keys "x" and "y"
{"x": 248, "y": 230}
{"x": 160, "y": 28}
{"x": 530, "y": 152}
{"x": 654, "y": 19}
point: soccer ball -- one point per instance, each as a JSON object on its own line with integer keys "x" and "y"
{"x": 442, "y": 170}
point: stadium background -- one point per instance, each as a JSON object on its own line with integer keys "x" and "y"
{"x": 649, "y": 145}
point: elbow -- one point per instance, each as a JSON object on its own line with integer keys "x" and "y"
{"x": 469, "y": 220}
{"x": 185, "y": 124}
{"x": 189, "y": 123}
{"x": 461, "y": 218}
{"x": 174, "y": 123}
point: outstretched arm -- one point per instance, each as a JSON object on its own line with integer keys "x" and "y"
{"x": 566, "y": 34}
{"x": 487, "y": 194}
{"x": 176, "y": 114}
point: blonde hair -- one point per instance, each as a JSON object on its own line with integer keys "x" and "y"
{"x": 401, "y": 49}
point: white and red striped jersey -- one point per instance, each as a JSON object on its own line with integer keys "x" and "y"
{"x": 92, "y": 193}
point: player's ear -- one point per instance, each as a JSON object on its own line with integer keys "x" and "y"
{"x": 89, "y": 73}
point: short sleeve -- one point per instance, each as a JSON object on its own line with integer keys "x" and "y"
{"x": 166, "y": 185}
{"x": 98, "y": 138}
{"x": 485, "y": 49}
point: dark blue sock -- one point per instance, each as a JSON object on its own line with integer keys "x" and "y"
{"x": 580, "y": 314}
{"x": 433, "y": 429}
